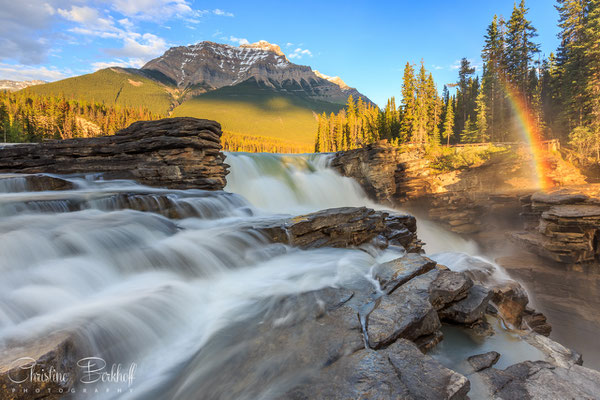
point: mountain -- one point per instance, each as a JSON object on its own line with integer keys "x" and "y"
{"x": 13, "y": 86}
{"x": 252, "y": 89}
{"x": 208, "y": 66}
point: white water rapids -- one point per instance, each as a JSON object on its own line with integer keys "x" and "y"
{"x": 138, "y": 288}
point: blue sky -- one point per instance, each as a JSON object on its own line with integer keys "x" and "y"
{"x": 366, "y": 43}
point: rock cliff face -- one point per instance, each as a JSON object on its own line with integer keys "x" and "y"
{"x": 459, "y": 199}
{"x": 176, "y": 153}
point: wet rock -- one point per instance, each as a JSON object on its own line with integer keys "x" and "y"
{"x": 470, "y": 309}
{"x": 339, "y": 227}
{"x": 403, "y": 314}
{"x": 373, "y": 167}
{"x": 423, "y": 376}
{"x": 555, "y": 352}
{"x": 536, "y": 321}
{"x": 399, "y": 372}
{"x": 179, "y": 153}
{"x": 22, "y": 363}
{"x": 449, "y": 287}
{"x": 511, "y": 300}
{"x": 542, "y": 380}
{"x": 480, "y": 362}
{"x": 34, "y": 183}
{"x": 395, "y": 273}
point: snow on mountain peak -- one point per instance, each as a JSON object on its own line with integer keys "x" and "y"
{"x": 333, "y": 79}
{"x": 264, "y": 45}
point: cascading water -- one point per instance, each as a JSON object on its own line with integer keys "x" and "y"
{"x": 148, "y": 277}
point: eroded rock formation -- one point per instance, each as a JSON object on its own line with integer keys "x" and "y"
{"x": 179, "y": 153}
{"x": 563, "y": 225}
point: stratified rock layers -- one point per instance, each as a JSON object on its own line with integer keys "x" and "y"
{"x": 178, "y": 153}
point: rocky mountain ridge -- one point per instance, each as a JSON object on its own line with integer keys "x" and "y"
{"x": 13, "y": 86}
{"x": 207, "y": 66}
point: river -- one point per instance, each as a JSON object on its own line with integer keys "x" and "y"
{"x": 143, "y": 290}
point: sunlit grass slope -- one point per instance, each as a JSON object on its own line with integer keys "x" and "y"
{"x": 250, "y": 109}
{"x": 112, "y": 86}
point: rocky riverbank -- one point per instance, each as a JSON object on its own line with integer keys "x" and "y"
{"x": 178, "y": 153}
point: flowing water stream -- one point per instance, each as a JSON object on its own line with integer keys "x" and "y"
{"x": 138, "y": 288}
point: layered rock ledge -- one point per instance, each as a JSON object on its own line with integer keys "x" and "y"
{"x": 562, "y": 225}
{"x": 178, "y": 153}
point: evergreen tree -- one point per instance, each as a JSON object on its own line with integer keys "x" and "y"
{"x": 408, "y": 103}
{"x": 592, "y": 56}
{"x": 464, "y": 95}
{"x": 494, "y": 58}
{"x": 520, "y": 49}
{"x": 571, "y": 68}
{"x": 449, "y": 121}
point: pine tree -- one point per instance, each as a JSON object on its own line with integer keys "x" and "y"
{"x": 494, "y": 58}
{"x": 571, "y": 74}
{"x": 408, "y": 103}
{"x": 520, "y": 48}
{"x": 481, "y": 122}
{"x": 463, "y": 95}
{"x": 449, "y": 121}
{"x": 592, "y": 56}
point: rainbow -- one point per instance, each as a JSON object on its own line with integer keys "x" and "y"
{"x": 532, "y": 136}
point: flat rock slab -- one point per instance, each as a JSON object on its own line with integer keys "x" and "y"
{"x": 470, "y": 309}
{"x": 33, "y": 183}
{"x": 573, "y": 211}
{"x": 396, "y": 273}
{"x": 336, "y": 227}
{"x": 543, "y": 381}
{"x": 178, "y": 153}
{"x": 480, "y": 362}
{"x": 558, "y": 197}
{"x": 399, "y": 372}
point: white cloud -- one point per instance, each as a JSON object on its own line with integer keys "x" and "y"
{"x": 19, "y": 72}
{"x": 135, "y": 46}
{"x": 239, "y": 41}
{"x": 140, "y": 46}
{"x": 129, "y": 63}
{"x": 299, "y": 53}
{"x": 222, "y": 13}
{"x": 289, "y": 44}
{"x": 158, "y": 10}
{"x": 24, "y": 29}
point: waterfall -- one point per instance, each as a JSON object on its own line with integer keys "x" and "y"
{"x": 150, "y": 276}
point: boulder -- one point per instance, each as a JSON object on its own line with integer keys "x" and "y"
{"x": 511, "y": 300}
{"x": 536, "y": 321}
{"x": 44, "y": 368}
{"x": 470, "y": 309}
{"x": 449, "y": 287}
{"x": 403, "y": 314}
{"x": 480, "y": 362}
{"x": 179, "y": 153}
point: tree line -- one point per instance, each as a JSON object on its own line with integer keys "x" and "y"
{"x": 29, "y": 117}
{"x": 560, "y": 93}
